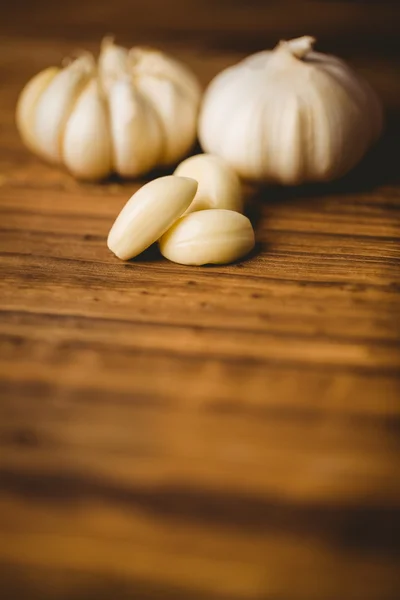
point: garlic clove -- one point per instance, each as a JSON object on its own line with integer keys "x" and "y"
{"x": 112, "y": 63}
{"x": 55, "y": 105}
{"x": 136, "y": 132}
{"x": 27, "y": 103}
{"x": 174, "y": 93}
{"x": 149, "y": 61}
{"x": 149, "y": 213}
{"x": 176, "y": 112}
{"x": 87, "y": 146}
{"x": 219, "y": 185}
{"x": 215, "y": 236}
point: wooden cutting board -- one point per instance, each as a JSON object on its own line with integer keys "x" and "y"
{"x": 179, "y": 433}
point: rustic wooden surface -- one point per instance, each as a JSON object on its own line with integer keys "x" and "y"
{"x": 211, "y": 433}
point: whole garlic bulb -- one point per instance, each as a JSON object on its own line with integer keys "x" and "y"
{"x": 290, "y": 115}
{"x": 135, "y": 110}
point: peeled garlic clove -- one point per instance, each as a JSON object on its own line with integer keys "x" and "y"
{"x": 27, "y": 103}
{"x": 113, "y": 62}
{"x": 219, "y": 185}
{"x": 149, "y": 213}
{"x": 135, "y": 130}
{"x": 55, "y": 105}
{"x": 176, "y": 112}
{"x": 87, "y": 146}
{"x": 210, "y": 236}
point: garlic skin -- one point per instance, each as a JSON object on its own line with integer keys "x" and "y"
{"x": 214, "y": 236}
{"x": 112, "y": 63}
{"x": 133, "y": 111}
{"x": 27, "y": 104}
{"x": 55, "y": 105}
{"x": 149, "y": 213}
{"x": 174, "y": 93}
{"x": 87, "y": 144}
{"x": 135, "y": 130}
{"x": 290, "y": 115}
{"x": 219, "y": 185}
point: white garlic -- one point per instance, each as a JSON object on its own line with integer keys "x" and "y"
{"x": 55, "y": 104}
{"x": 219, "y": 185}
{"x": 173, "y": 92}
{"x": 149, "y": 213}
{"x": 135, "y": 110}
{"x": 87, "y": 143}
{"x": 135, "y": 130}
{"x": 112, "y": 63}
{"x": 290, "y": 115}
{"x": 27, "y": 104}
{"x": 215, "y": 236}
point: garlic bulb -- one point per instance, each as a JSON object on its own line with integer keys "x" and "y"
{"x": 135, "y": 110}
{"x": 219, "y": 185}
{"x": 290, "y": 115}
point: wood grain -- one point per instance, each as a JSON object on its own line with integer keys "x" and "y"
{"x": 212, "y": 433}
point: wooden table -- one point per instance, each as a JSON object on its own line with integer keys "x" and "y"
{"x": 209, "y": 433}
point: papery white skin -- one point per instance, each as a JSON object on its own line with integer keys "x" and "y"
{"x": 87, "y": 144}
{"x": 290, "y": 115}
{"x": 55, "y": 105}
{"x": 214, "y": 236}
{"x": 135, "y": 130}
{"x": 175, "y": 111}
{"x": 112, "y": 63}
{"x": 174, "y": 93}
{"x": 151, "y": 105}
{"x": 27, "y": 103}
{"x": 149, "y": 213}
{"x": 219, "y": 185}
{"x": 149, "y": 61}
